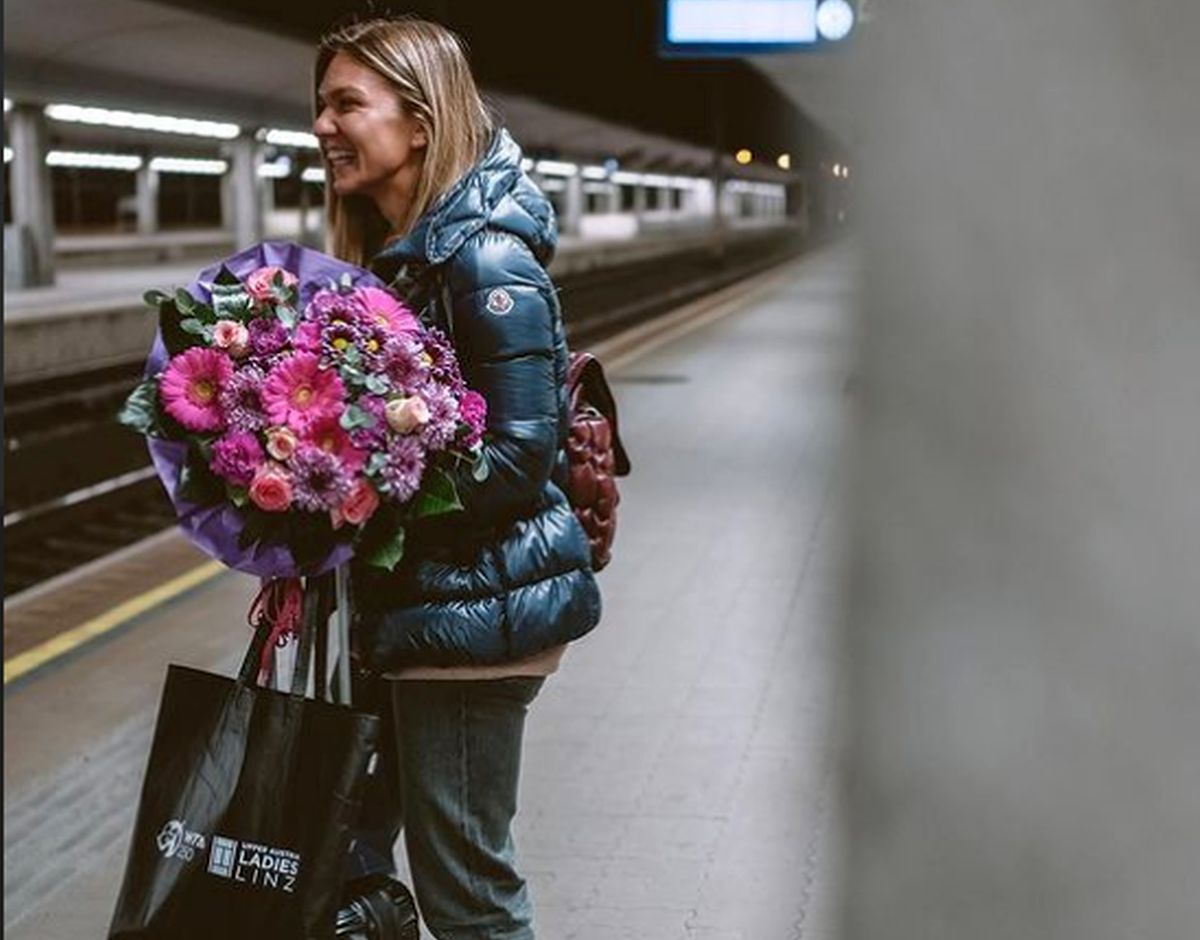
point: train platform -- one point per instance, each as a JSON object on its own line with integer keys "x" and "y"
{"x": 679, "y": 776}
{"x": 92, "y": 316}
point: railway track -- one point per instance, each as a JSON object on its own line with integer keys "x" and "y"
{"x": 79, "y": 486}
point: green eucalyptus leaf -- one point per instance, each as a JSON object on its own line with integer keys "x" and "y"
{"x": 480, "y": 469}
{"x": 437, "y": 496}
{"x": 376, "y": 462}
{"x": 193, "y": 326}
{"x": 140, "y": 410}
{"x": 174, "y": 337}
{"x": 185, "y": 302}
{"x": 389, "y": 552}
{"x": 287, "y": 316}
{"x": 153, "y": 298}
{"x": 378, "y": 385}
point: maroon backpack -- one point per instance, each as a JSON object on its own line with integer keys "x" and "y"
{"x": 595, "y": 454}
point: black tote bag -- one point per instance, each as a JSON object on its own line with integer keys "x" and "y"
{"x": 249, "y": 795}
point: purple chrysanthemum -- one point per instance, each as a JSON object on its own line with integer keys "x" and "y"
{"x": 241, "y": 400}
{"x": 236, "y": 456}
{"x": 267, "y": 336}
{"x": 403, "y": 363}
{"x": 444, "y": 363}
{"x": 442, "y": 425}
{"x": 374, "y": 437}
{"x": 401, "y": 475}
{"x": 319, "y": 481}
{"x": 329, "y": 304}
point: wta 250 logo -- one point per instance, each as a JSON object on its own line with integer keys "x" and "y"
{"x": 175, "y": 840}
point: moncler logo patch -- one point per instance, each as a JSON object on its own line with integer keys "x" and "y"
{"x": 499, "y": 301}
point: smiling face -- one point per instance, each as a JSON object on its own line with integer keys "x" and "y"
{"x": 370, "y": 143}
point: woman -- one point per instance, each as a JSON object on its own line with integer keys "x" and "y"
{"x": 426, "y": 191}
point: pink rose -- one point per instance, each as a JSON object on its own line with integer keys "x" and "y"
{"x": 404, "y": 414}
{"x": 358, "y": 507}
{"x": 281, "y": 443}
{"x": 271, "y": 488}
{"x": 232, "y": 336}
{"x": 260, "y": 284}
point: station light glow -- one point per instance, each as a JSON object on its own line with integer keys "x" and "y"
{"x": 7, "y": 105}
{"x": 784, "y": 162}
{"x": 626, "y": 178}
{"x": 556, "y": 168}
{"x": 656, "y": 181}
{"x": 280, "y": 169}
{"x": 526, "y": 164}
{"x": 188, "y": 165}
{"x": 314, "y": 174}
{"x": 93, "y": 161}
{"x": 282, "y": 138}
{"x": 136, "y": 120}
{"x": 595, "y": 173}
{"x": 743, "y": 156}
{"x": 8, "y": 154}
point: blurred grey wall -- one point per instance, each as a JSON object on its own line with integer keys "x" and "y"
{"x": 1024, "y": 635}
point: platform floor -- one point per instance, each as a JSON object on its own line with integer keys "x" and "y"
{"x": 679, "y": 778}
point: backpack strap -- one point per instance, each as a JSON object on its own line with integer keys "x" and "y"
{"x": 585, "y": 379}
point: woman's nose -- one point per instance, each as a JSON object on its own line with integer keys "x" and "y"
{"x": 323, "y": 124}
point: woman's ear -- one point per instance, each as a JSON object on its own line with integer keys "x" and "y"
{"x": 420, "y": 138}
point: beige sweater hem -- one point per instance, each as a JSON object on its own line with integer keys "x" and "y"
{"x": 544, "y": 663}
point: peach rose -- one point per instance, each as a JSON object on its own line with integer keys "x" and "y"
{"x": 358, "y": 507}
{"x": 260, "y": 283}
{"x": 281, "y": 443}
{"x": 271, "y": 488}
{"x": 232, "y": 336}
{"x": 405, "y": 414}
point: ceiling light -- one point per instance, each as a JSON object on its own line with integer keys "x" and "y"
{"x": 188, "y": 165}
{"x": 556, "y": 168}
{"x": 282, "y": 138}
{"x": 743, "y": 156}
{"x": 314, "y": 174}
{"x": 93, "y": 161}
{"x": 143, "y": 122}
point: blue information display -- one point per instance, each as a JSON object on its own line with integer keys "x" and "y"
{"x": 746, "y": 27}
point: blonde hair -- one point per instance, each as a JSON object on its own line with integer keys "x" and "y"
{"x": 427, "y": 66}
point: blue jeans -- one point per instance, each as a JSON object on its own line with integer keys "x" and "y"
{"x": 451, "y": 785}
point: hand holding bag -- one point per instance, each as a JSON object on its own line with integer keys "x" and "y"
{"x": 247, "y": 802}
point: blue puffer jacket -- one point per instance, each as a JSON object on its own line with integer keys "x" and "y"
{"x": 511, "y": 574}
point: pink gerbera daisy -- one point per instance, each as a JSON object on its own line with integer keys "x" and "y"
{"x": 328, "y": 435}
{"x": 191, "y": 385}
{"x": 383, "y": 309}
{"x": 299, "y": 393}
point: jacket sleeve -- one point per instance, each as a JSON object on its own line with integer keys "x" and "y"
{"x": 502, "y": 320}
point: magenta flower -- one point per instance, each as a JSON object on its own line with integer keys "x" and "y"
{"x": 190, "y": 388}
{"x": 267, "y": 336}
{"x": 472, "y": 409}
{"x": 236, "y": 457}
{"x": 241, "y": 399}
{"x": 384, "y": 309}
{"x": 328, "y": 435}
{"x": 298, "y": 392}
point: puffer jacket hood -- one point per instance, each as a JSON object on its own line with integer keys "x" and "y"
{"x": 510, "y": 574}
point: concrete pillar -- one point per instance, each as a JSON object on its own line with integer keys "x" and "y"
{"x": 32, "y": 197}
{"x": 639, "y": 201}
{"x": 147, "y": 199}
{"x": 1023, "y": 635}
{"x": 572, "y": 205}
{"x": 244, "y": 199}
{"x": 613, "y": 199}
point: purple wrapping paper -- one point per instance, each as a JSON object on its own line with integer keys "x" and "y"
{"x": 215, "y": 529}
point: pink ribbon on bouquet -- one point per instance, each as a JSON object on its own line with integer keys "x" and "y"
{"x": 280, "y": 602}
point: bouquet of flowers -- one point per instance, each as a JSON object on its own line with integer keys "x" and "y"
{"x": 299, "y": 413}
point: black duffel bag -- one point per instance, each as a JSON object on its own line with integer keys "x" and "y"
{"x": 247, "y": 803}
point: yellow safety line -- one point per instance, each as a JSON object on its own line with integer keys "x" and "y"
{"x": 41, "y": 654}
